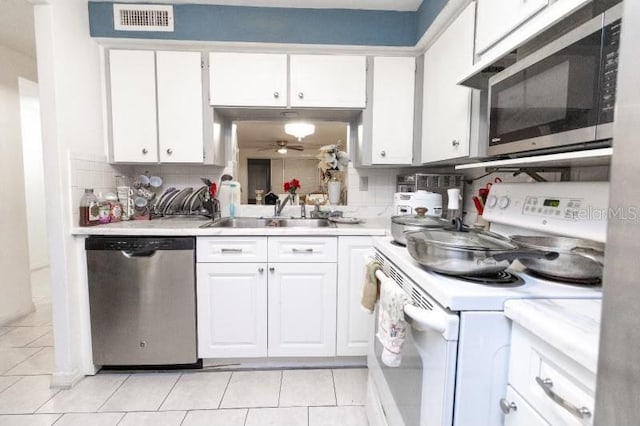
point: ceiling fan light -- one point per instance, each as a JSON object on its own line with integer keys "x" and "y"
{"x": 282, "y": 150}
{"x": 299, "y": 129}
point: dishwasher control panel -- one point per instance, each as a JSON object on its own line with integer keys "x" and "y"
{"x": 139, "y": 243}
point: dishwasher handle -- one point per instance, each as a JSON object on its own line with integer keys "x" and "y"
{"x": 138, "y": 253}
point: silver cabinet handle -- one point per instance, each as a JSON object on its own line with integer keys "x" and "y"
{"x": 297, "y": 250}
{"x": 169, "y": 151}
{"x": 300, "y": 95}
{"x": 383, "y": 153}
{"x": 261, "y": 270}
{"x": 272, "y": 269}
{"x": 507, "y": 406}
{"x": 546, "y": 384}
{"x": 231, "y": 250}
{"x": 144, "y": 151}
{"x": 455, "y": 143}
{"x": 276, "y": 95}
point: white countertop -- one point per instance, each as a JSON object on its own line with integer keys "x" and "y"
{"x": 190, "y": 226}
{"x": 570, "y": 325}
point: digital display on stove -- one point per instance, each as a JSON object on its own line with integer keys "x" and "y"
{"x": 551, "y": 203}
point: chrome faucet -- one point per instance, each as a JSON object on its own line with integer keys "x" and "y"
{"x": 279, "y": 206}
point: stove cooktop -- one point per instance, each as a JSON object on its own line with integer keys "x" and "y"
{"x": 459, "y": 295}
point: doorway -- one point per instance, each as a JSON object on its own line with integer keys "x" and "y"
{"x": 258, "y": 177}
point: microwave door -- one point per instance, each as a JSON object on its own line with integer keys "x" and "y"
{"x": 548, "y": 103}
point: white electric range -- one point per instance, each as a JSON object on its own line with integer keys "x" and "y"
{"x": 456, "y": 354}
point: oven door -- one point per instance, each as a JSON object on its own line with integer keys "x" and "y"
{"x": 420, "y": 392}
{"x": 550, "y": 98}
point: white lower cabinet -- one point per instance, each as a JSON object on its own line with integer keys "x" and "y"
{"x": 232, "y": 310}
{"x": 302, "y": 309}
{"x": 276, "y": 308}
{"x": 354, "y": 325}
{"x": 519, "y": 412}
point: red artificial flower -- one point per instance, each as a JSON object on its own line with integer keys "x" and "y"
{"x": 292, "y": 185}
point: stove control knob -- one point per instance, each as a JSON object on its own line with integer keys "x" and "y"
{"x": 503, "y": 203}
{"x": 492, "y": 201}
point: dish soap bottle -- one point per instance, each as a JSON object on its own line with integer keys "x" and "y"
{"x": 89, "y": 209}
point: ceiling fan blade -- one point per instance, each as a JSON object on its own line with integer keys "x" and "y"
{"x": 296, "y": 148}
{"x": 268, "y": 148}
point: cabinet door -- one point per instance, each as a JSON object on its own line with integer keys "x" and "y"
{"x": 446, "y": 118}
{"x": 522, "y": 414}
{"x": 497, "y": 18}
{"x": 248, "y": 79}
{"x": 355, "y": 327}
{"x": 328, "y": 81}
{"x": 180, "y": 121}
{"x": 232, "y": 310}
{"x": 132, "y": 85}
{"x": 302, "y": 309}
{"x": 392, "y": 109}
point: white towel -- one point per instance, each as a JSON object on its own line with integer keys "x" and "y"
{"x": 392, "y": 327}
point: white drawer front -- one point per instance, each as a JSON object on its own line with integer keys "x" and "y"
{"x": 521, "y": 413}
{"x": 303, "y": 249}
{"x": 231, "y": 249}
{"x": 555, "y": 386}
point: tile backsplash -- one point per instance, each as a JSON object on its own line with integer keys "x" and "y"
{"x": 90, "y": 171}
{"x": 370, "y": 190}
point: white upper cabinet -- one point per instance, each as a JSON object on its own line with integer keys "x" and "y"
{"x": 248, "y": 79}
{"x": 156, "y": 106}
{"x": 180, "y": 117}
{"x": 392, "y": 110}
{"x": 337, "y": 81}
{"x": 133, "y": 106}
{"x": 497, "y": 18}
{"x": 446, "y": 112}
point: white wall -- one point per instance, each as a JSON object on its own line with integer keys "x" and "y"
{"x": 15, "y": 284}
{"x": 33, "y": 173}
{"x": 69, "y": 70}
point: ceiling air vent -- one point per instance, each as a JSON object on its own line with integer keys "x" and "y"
{"x": 142, "y": 17}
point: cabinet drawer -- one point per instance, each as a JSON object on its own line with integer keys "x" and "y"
{"x": 556, "y": 387}
{"x": 303, "y": 249}
{"x": 231, "y": 249}
{"x": 521, "y": 413}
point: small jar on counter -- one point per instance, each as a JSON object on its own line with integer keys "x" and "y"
{"x": 89, "y": 209}
{"x": 115, "y": 208}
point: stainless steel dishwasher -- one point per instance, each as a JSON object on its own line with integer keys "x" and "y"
{"x": 142, "y": 300}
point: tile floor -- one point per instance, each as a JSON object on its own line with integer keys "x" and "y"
{"x": 244, "y": 398}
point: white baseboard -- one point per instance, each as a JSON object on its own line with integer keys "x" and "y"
{"x": 66, "y": 379}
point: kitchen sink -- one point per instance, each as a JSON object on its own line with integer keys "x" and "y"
{"x": 259, "y": 222}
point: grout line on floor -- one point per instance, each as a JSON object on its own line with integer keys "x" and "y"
{"x": 280, "y": 389}
{"x": 112, "y": 393}
{"x": 224, "y": 393}
{"x": 54, "y": 394}
{"x": 335, "y": 392}
{"x": 169, "y": 393}
{"x": 22, "y": 362}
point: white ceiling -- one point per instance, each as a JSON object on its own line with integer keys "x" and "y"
{"x": 16, "y": 26}
{"x": 406, "y": 5}
{"x": 261, "y": 134}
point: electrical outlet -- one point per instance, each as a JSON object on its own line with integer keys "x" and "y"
{"x": 364, "y": 183}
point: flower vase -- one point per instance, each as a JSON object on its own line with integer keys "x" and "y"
{"x": 333, "y": 190}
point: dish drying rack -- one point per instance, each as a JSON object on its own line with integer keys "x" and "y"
{"x": 185, "y": 202}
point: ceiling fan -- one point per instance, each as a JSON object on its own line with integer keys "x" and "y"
{"x": 281, "y": 146}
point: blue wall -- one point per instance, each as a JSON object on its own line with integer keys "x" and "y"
{"x": 281, "y": 25}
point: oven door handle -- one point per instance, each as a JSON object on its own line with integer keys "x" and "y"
{"x": 423, "y": 320}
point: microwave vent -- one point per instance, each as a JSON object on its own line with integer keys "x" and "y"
{"x": 141, "y": 17}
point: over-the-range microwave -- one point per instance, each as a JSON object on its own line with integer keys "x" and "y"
{"x": 560, "y": 95}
